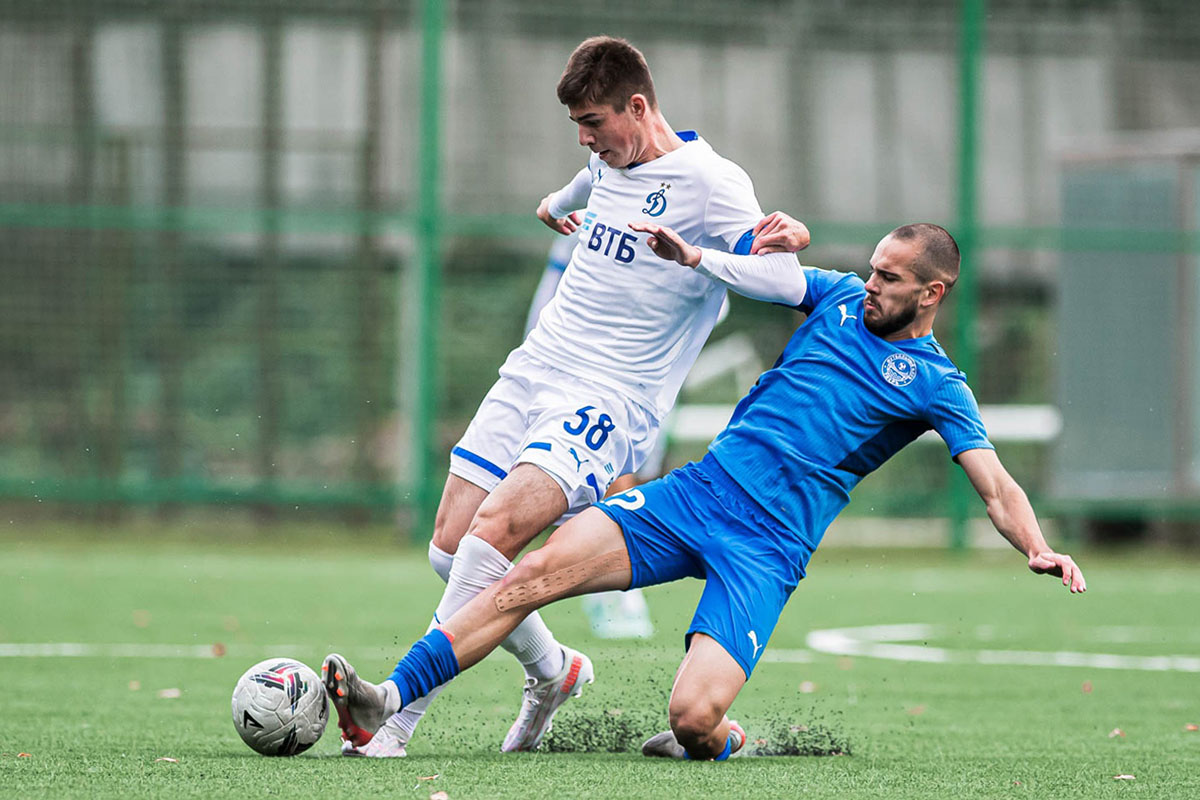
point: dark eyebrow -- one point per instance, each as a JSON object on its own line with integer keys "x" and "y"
{"x": 585, "y": 118}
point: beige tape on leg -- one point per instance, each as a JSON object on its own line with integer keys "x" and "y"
{"x": 547, "y": 586}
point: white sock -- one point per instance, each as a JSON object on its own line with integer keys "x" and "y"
{"x": 408, "y": 717}
{"x": 478, "y": 565}
{"x": 441, "y": 561}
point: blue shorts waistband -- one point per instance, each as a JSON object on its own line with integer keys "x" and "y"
{"x": 732, "y": 492}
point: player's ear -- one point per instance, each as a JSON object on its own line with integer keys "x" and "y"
{"x": 638, "y": 106}
{"x": 934, "y": 292}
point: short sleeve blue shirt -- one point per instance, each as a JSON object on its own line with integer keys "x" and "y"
{"x": 838, "y": 403}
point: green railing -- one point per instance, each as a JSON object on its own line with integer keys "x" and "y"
{"x": 336, "y": 353}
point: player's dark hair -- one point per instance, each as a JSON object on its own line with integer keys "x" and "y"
{"x": 604, "y": 69}
{"x": 939, "y": 259}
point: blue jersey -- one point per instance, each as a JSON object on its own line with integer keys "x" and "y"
{"x": 838, "y": 403}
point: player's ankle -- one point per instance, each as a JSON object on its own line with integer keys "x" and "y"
{"x": 391, "y": 697}
{"x": 548, "y": 665}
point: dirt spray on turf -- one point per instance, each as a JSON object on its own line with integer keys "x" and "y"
{"x": 602, "y": 728}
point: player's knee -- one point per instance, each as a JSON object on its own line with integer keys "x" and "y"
{"x": 693, "y": 723}
{"x": 497, "y": 526}
{"x": 531, "y": 567}
{"x": 446, "y": 532}
{"x": 693, "y": 726}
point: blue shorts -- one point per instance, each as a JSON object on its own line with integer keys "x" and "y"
{"x": 697, "y": 522}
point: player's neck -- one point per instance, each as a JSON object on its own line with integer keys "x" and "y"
{"x": 916, "y": 329}
{"x": 661, "y": 139}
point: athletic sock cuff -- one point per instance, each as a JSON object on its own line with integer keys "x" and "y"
{"x": 430, "y": 663}
{"x": 441, "y": 561}
{"x": 724, "y": 755}
{"x": 728, "y": 748}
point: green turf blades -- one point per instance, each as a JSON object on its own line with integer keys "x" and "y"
{"x": 918, "y": 730}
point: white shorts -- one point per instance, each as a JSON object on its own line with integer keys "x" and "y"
{"x": 581, "y": 434}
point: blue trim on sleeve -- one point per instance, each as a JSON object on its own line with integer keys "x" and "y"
{"x": 742, "y": 248}
{"x": 981, "y": 444}
{"x": 479, "y": 461}
{"x": 538, "y": 446}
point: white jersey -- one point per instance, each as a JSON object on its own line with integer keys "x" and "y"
{"x": 622, "y": 316}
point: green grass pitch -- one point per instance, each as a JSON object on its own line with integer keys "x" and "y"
{"x": 96, "y": 726}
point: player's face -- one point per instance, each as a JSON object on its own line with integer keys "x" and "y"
{"x": 893, "y": 291}
{"x": 612, "y": 135}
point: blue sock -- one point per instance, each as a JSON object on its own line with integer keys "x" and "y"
{"x": 724, "y": 756}
{"x": 431, "y": 662}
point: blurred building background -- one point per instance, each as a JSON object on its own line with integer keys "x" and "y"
{"x": 271, "y": 253}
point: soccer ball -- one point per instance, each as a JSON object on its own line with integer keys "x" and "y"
{"x": 280, "y": 707}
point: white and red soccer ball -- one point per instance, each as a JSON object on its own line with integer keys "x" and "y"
{"x": 280, "y": 707}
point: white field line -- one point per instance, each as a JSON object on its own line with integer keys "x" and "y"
{"x": 879, "y": 641}
{"x": 787, "y": 656}
{"x": 81, "y": 650}
{"x": 873, "y": 641}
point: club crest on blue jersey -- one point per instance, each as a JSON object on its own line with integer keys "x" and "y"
{"x": 657, "y": 201}
{"x": 899, "y": 369}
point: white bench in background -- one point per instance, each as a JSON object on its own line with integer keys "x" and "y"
{"x": 700, "y": 422}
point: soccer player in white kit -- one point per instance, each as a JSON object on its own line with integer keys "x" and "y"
{"x": 579, "y": 402}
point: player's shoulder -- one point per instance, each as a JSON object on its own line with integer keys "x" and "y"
{"x": 708, "y": 162}
{"x": 827, "y": 287}
{"x": 931, "y": 352}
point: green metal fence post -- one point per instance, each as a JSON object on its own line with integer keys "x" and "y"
{"x": 270, "y": 390}
{"x": 970, "y": 63}
{"x": 428, "y": 262}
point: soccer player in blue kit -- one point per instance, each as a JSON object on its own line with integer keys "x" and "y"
{"x": 861, "y": 378}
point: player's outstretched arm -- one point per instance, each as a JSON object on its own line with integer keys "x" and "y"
{"x": 1013, "y": 516}
{"x": 779, "y": 233}
{"x": 771, "y": 277}
{"x": 566, "y": 225}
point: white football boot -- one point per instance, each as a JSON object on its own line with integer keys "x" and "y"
{"x": 362, "y": 707}
{"x": 665, "y": 745}
{"x": 542, "y": 699}
{"x": 389, "y": 741}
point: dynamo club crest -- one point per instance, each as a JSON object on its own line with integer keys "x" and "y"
{"x": 656, "y": 202}
{"x": 899, "y": 369}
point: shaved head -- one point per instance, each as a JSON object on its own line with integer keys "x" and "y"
{"x": 938, "y": 258}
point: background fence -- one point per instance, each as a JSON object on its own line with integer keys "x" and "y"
{"x": 272, "y": 253}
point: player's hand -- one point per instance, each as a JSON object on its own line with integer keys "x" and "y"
{"x": 667, "y": 245}
{"x": 1060, "y": 566}
{"x": 566, "y": 226}
{"x": 779, "y": 233}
